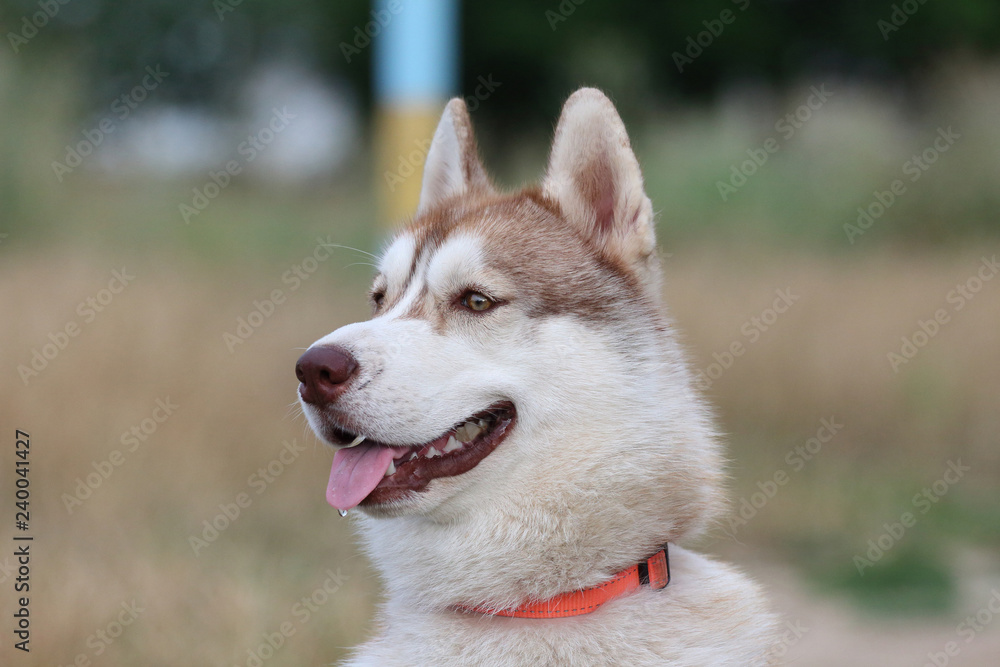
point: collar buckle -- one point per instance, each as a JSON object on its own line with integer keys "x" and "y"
{"x": 655, "y": 570}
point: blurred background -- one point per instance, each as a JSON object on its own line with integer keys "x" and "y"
{"x": 188, "y": 193}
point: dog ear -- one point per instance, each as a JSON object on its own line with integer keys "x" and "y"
{"x": 595, "y": 177}
{"x": 453, "y": 166}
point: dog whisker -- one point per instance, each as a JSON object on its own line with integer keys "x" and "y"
{"x": 347, "y": 247}
{"x": 561, "y": 503}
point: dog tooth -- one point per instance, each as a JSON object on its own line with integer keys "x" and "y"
{"x": 431, "y": 453}
{"x": 467, "y": 432}
{"x": 342, "y": 512}
{"x": 413, "y": 456}
{"x": 357, "y": 441}
{"x": 452, "y": 445}
{"x": 391, "y": 469}
{"x": 483, "y": 423}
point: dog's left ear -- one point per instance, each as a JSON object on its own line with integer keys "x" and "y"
{"x": 453, "y": 166}
{"x": 595, "y": 177}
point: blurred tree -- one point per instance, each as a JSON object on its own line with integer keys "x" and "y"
{"x": 540, "y": 49}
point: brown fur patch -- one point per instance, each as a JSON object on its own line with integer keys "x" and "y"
{"x": 554, "y": 267}
{"x": 597, "y": 185}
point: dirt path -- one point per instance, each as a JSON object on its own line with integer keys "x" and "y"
{"x": 832, "y": 633}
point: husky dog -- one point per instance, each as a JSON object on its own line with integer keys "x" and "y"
{"x": 517, "y": 428}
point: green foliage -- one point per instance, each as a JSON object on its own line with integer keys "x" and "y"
{"x": 912, "y": 579}
{"x": 686, "y": 127}
{"x": 540, "y": 49}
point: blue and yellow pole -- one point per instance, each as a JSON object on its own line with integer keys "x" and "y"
{"x": 416, "y": 71}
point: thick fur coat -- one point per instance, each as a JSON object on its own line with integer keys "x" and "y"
{"x": 612, "y": 452}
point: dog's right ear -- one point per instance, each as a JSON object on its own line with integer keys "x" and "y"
{"x": 453, "y": 167}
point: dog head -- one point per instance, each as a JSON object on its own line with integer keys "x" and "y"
{"x": 518, "y": 381}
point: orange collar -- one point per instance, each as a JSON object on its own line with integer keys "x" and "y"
{"x": 654, "y": 571}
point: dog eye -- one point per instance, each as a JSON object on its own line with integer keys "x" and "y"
{"x": 476, "y": 301}
{"x": 377, "y": 298}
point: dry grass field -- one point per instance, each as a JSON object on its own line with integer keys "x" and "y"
{"x": 128, "y": 540}
{"x": 177, "y": 498}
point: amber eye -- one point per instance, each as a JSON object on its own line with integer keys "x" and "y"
{"x": 476, "y": 301}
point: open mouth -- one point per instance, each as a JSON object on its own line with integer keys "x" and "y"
{"x": 366, "y": 472}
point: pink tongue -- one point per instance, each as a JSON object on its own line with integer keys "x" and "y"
{"x": 356, "y": 471}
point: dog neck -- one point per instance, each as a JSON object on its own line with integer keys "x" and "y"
{"x": 653, "y": 572}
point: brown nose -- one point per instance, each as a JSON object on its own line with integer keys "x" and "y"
{"x": 324, "y": 373}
